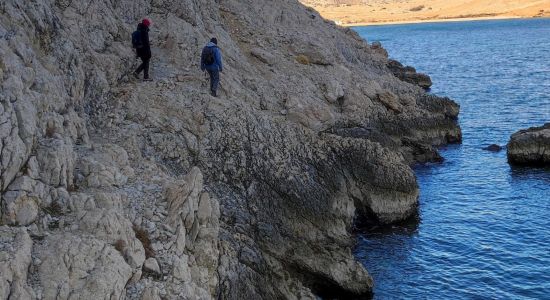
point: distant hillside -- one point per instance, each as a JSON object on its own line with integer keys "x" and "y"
{"x": 353, "y": 12}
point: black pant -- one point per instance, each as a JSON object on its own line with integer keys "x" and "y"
{"x": 214, "y": 80}
{"x": 144, "y": 67}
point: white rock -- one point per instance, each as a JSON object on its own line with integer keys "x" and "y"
{"x": 14, "y": 263}
{"x": 205, "y": 209}
{"x": 151, "y": 265}
{"x": 180, "y": 268}
{"x": 22, "y": 200}
{"x": 56, "y": 159}
{"x": 79, "y": 267}
{"x": 110, "y": 226}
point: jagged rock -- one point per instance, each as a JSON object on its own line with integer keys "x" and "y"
{"x": 204, "y": 212}
{"x": 116, "y": 201}
{"x": 420, "y": 153}
{"x": 151, "y": 265}
{"x": 180, "y": 268}
{"x": 23, "y": 199}
{"x": 530, "y": 146}
{"x": 81, "y": 267}
{"x": 17, "y": 121}
{"x": 107, "y": 165}
{"x": 181, "y": 238}
{"x": 15, "y": 258}
{"x": 56, "y": 161}
{"x": 136, "y": 277}
{"x": 409, "y": 74}
{"x": 195, "y": 215}
{"x": 111, "y": 227}
{"x": 33, "y": 168}
{"x": 390, "y": 101}
{"x": 377, "y": 47}
{"x": 333, "y": 91}
{"x": 183, "y": 199}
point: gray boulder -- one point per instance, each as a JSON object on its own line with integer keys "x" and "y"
{"x": 530, "y": 146}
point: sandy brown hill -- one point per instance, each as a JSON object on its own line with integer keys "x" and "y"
{"x": 353, "y": 12}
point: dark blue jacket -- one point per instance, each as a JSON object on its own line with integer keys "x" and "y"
{"x": 145, "y": 51}
{"x": 218, "y": 58}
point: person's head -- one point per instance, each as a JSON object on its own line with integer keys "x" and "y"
{"x": 214, "y": 41}
{"x": 146, "y": 22}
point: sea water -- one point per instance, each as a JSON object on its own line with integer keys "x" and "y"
{"x": 484, "y": 227}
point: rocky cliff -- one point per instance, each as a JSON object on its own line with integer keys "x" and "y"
{"x": 112, "y": 188}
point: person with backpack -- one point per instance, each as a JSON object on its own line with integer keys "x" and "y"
{"x": 140, "y": 42}
{"x": 211, "y": 61}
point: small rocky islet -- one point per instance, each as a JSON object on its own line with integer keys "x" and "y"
{"x": 150, "y": 190}
{"x": 530, "y": 147}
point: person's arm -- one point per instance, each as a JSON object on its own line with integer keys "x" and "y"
{"x": 219, "y": 58}
{"x": 146, "y": 43}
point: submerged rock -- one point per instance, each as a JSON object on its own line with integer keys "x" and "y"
{"x": 493, "y": 148}
{"x": 530, "y": 146}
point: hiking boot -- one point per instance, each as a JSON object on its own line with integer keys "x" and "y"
{"x": 136, "y": 75}
{"x": 214, "y": 94}
{"x": 147, "y": 79}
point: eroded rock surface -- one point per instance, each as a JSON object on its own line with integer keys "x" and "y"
{"x": 409, "y": 74}
{"x": 15, "y": 259}
{"x": 530, "y": 146}
{"x": 117, "y": 189}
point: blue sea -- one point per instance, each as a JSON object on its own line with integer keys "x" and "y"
{"x": 484, "y": 227}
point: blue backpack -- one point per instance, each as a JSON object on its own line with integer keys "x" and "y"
{"x": 137, "y": 42}
{"x": 209, "y": 56}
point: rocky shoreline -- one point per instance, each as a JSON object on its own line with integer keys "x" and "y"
{"x": 157, "y": 190}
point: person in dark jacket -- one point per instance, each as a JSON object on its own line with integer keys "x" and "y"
{"x": 144, "y": 50}
{"x": 211, "y": 61}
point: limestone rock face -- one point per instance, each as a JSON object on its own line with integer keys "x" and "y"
{"x": 106, "y": 165}
{"x": 15, "y": 259}
{"x": 530, "y": 146}
{"x": 194, "y": 216}
{"x": 112, "y": 227}
{"x": 81, "y": 267}
{"x": 56, "y": 162}
{"x": 250, "y": 195}
{"x": 23, "y": 199}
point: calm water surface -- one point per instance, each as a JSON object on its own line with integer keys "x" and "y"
{"x": 484, "y": 230}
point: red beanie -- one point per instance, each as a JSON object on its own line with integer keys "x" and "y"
{"x": 146, "y": 22}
